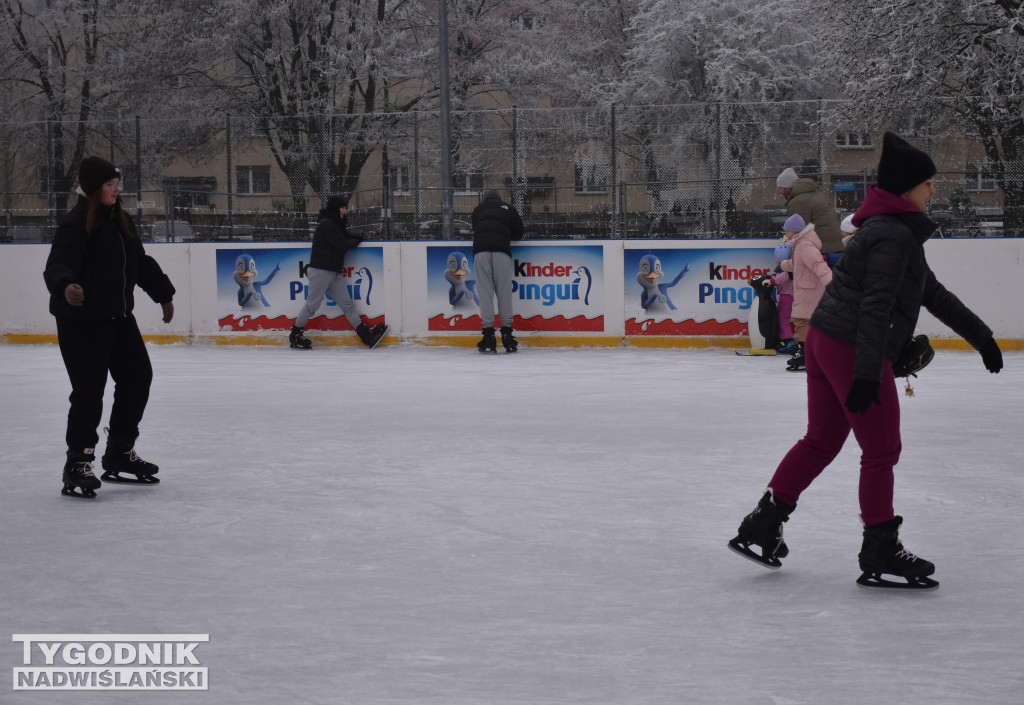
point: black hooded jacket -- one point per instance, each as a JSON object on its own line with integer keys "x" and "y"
{"x": 106, "y": 263}
{"x": 331, "y": 241}
{"x": 495, "y": 225}
{"x": 878, "y": 288}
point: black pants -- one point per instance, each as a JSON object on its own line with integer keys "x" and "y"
{"x": 90, "y": 350}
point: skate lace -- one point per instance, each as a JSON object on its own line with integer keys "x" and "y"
{"x": 133, "y": 456}
{"x": 83, "y": 468}
{"x": 904, "y": 554}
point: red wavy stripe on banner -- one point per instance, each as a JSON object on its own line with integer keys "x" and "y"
{"x": 689, "y": 327}
{"x": 254, "y": 323}
{"x": 562, "y": 324}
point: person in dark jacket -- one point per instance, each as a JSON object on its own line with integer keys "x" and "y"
{"x": 804, "y": 199}
{"x": 495, "y": 225}
{"x": 326, "y": 264}
{"x": 95, "y": 262}
{"x": 865, "y": 317}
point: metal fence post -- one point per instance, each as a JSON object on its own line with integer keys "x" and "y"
{"x": 821, "y": 145}
{"x": 138, "y": 170}
{"x": 417, "y": 206}
{"x": 614, "y": 180}
{"x": 230, "y": 203}
{"x": 718, "y": 170}
{"x": 517, "y": 199}
{"x": 51, "y": 205}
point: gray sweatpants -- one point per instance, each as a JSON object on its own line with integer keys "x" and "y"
{"x": 494, "y": 276}
{"x": 323, "y": 281}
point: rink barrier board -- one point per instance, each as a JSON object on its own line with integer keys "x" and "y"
{"x": 597, "y": 305}
{"x": 525, "y": 341}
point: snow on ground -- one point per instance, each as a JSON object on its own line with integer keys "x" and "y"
{"x": 430, "y": 525}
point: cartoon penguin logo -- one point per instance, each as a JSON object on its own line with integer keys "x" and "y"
{"x": 462, "y": 288}
{"x": 250, "y": 292}
{"x": 655, "y": 292}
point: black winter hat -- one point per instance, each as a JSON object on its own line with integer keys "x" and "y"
{"x": 334, "y": 203}
{"x": 902, "y": 165}
{"x": 93, "y": 172}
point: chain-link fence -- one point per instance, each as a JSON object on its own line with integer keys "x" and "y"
{"x": 693, "y": 171}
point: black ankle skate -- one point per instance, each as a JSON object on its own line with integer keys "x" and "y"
{"x": 797, "y": 362}
{"x": 883, "y": 553}
{"x": 117, "y": 460}
{"x": 488, "y": 343}
{"x": 763, "y": 527}
{"x": 507, "y": 341}
{"x": 297, "y": 340}
{"x": 371, "y": 337}
{"x": 78, "y": 475}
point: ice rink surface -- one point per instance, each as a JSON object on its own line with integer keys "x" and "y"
{"x": 430, "y": 525}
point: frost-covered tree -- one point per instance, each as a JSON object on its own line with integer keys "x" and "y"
{"x": 700, "y": 77}
{"x": 317, "y": 79}
{"x": 59, "y": 64}
{"x": 949, "y": 65}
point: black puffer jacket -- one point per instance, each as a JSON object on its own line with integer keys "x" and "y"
{"x": 495, "y": 225}
{"x": 331, "y": 242}
{"x": 106, "y": 263}
{"x": 878, "y": 288}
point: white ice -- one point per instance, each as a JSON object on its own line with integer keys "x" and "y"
{"x": 432, "y": 525}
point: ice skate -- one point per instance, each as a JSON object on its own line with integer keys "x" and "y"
{"x": 122, "y": 465}
{"x": 763, "y": 528}
{"x": 371, "y": 337}
{"x": 299, "y": 341}
{"x": 507, "y": 340}
{"x": 797, "y": 363}
{"x": 882, "y": 553}
{"x": 488, "y": 343}
{"x": 78, "y": 476}
{"x": 787, "y": 346}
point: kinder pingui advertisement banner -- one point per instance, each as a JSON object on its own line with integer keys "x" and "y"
{"x": 555, "y": 288}
{"x": 691, "y": 291}
{"x": 263, "y": 289}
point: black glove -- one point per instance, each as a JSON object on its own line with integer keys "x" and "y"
{"x": 863, "y": 392}
{"x": 991, "y": 355}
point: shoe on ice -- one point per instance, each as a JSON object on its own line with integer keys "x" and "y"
{"x": 507, "y": 340}
{"x": 882, "y": 553}
{"x": 488, "y": 343}
{"x": 296, "y": 339}
{"x": 119, "y": 461}
{"x": 371, "y": 337}
{"x": 78, "y": 475}
{"x": 796, "y": 363}
{"x": 763, "y": 528}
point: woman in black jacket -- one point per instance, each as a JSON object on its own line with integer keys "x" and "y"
{"x": 95, "y": 262}
{"x": 866, "y": 316}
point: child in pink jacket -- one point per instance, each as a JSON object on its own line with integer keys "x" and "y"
{"x": 811, "y": 274}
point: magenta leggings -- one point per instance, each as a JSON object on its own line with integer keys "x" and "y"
{"x": 830, "y": 365}
{"x": 785, "y": 308}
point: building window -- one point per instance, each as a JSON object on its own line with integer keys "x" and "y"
{"x": 979, "y": 178}
{"x": 468, "y": 180}
{"x": 252, "y": 179}
{"x": 849, "y": 190}
{"x": 400, "y": 182}
{"x": 528, "y": 22}
{"x": 854, "y": 140}
{"x": 591, "y": 179}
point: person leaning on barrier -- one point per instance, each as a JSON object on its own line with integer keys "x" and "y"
{"x": 495, "y": 225}
{"x": 804, "y": 199}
